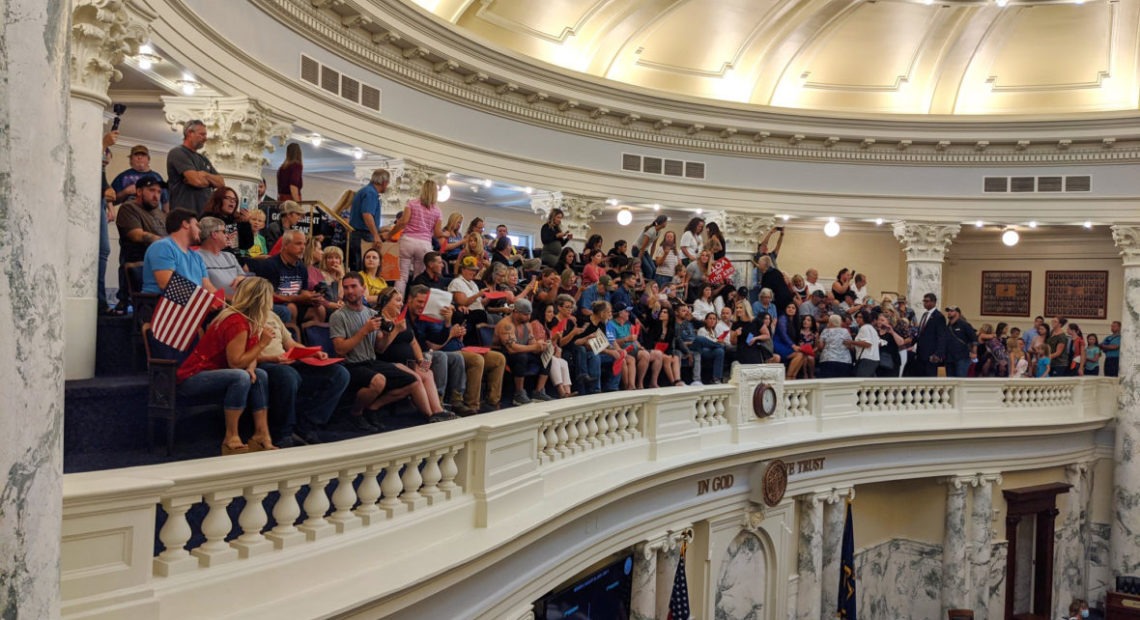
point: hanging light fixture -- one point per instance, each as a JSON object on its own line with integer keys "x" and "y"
{"x": 1010, "y": 237}
{"x": 831, "y": 228}
{"x": 316, "y": 139}
{"x": 444, "y": 193}
{"x": 624, "y": 217}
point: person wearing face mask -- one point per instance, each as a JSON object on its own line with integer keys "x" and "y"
{"x": 1078, "y": 609}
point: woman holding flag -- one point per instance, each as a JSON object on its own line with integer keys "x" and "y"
{"x": 225, "y": 359}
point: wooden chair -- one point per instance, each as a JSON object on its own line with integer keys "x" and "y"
{"x": 163, "y": 403}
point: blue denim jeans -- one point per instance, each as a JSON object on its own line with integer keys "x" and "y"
{"x": 104, "y": 254}
{"x": 311, "y": 391}
{"x": 960, "y": 368}
{"x": 608, "y": 380}
{"x": 709, "y": 351}
{"x": 450, "y": 373}
{"x": 235, "y": 383}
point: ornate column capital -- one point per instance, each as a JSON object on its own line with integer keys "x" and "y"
{"x": 362, "y": 168}
{"x": 742, "y": 231}
{"x": 961, "y": 482}
{"x": 925, "y": 241}
{"x": 103, "y": 33}
{"x": 834, "y": 495}
{"x": 405, "y": 178}
{"x": 578, "y": 211}
{"x": 1127, "y": 240}
{"x": 238, "y": 131}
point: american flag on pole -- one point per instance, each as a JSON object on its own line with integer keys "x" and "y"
{"x": 679, "y": 599}
{"x": 179, "y": 312}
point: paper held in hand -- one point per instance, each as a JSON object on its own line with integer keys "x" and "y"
{"x": 437, "y": 300}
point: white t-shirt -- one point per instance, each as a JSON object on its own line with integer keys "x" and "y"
{"x": 693, "y": 243}
{"x": 468, "y": 288}
{"x": 868, "y": 333}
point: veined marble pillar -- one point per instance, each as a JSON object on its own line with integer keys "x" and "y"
{"x": 1070, "y": 556}
{"x": 981, "y": 543}
{"x": 834, "y": 518}
{"x": 238, "y": 132}
{"x": 102, "y": 34}
{"x": 809, "y": 558}
{"x": 578, "y": 214}
{"x": 643, "y": 599}
{"x": 34, "y": 115}
{"x": 925, "y": 244}
{"x": 954, "y": 567}
{"x": 1125, "y": 558}
{"x": 668, "y": 557}
{"x": 742, "y": 232}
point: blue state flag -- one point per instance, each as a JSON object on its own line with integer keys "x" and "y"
{"x": 846, "y": 609}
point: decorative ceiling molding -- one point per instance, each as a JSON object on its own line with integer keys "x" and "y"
{"x": 453, "y": 67}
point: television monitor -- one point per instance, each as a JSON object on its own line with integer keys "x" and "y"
{"x": 602, "y": 594}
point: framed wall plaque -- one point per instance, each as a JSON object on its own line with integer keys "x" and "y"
{"x": 1006, "y": 293}
{"x": 1076, "y": 294}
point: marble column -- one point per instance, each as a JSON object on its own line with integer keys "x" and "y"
{"x": 981, "y": 544}
{"x": 102, "y": 34}
{"x": 34, "y": 114}
{"x": 809, "y": 557}
{"x": 925, "y": 244}
{"x": 643, "y": 599}
{"x": 1070, "y": 565}
{"x": 578, "y": 213}
{"x": 955, "y": 570}
{"x": 1125, "y": 547}
{"x": 742, "y": 232}
{"x": 238, "y": 134}
{"x": 834, "y": 517}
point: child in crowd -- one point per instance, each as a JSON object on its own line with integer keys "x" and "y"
{"x": 257, "y": 223}
{"x": 1042, "y": 361}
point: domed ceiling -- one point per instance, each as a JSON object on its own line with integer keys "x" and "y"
{"x": 961, "y": 57}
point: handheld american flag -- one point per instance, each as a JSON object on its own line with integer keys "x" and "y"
{"x": 180, "y": 311}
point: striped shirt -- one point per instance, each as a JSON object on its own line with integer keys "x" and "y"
{"x": 421, "y": 220}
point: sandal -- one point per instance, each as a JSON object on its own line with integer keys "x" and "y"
{"x": 257, "y": 444}
{"x": 228, "y": 450}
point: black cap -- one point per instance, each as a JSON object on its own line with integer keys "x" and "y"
{"x": 148, "y": 180}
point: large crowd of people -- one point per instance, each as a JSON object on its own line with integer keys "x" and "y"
{"x": 427, "y": 310}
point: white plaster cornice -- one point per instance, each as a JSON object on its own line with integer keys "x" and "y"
{"x": 404, "y": 43}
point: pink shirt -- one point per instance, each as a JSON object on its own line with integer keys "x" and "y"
{"x": 421, "y": 223}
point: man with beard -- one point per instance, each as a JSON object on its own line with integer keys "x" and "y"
{"x": 141, "y": 222}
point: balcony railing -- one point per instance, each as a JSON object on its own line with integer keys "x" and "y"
{"x": 190, "y": 539}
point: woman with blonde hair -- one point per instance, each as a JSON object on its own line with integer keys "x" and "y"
{"x": 1018, "y": 361}
{"x": 225, "y": 360}
{"x": 453, "y": 236}
{"x": 419, "y": 222}
{"x": 332, "y": 270}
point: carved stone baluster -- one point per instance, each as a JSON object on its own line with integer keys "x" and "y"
{"x": 584, "y": 442}
{"x": 448, "y": 470}
{"x": 699, "y": 418}
{"x": 285, "y": 512}
{"x": 432, "y": 476}
{"x": 634, "y": 422}
{"x": 564, "y": 447}
{"x": 572, "y": 437}
{"x": 175, "y": 533}
{"x": 369, "y": 492}
{"x": 215, "y": 527}
{"x": 344, "y": 498}
{"x": 720, "y": 410}
{"x": 391, "y": 488}
{"x": 623, "y": 423}
{"x": 252, "y": 521}
{"x": 551, "y": 441}
{"x": 541, "y": 444}
{"x": 603, "y": 428}
{"x": 613, "y": 436}
{"x": 413, "y": 480}
{"x": 316, "y": 526}
{"x": 595, "y": 430}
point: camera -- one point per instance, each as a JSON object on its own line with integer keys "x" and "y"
{"x": 386, "y": 325}
{"x": 322, "y": 289}
{"x": 118, "y": 108}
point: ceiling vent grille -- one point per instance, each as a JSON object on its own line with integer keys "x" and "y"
{"x": 342, "y": 86}
{"x": 1046, "y": 184}
{"x": 631, "y": 162}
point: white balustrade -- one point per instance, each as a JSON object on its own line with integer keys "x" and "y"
{"x": 489, "y": 468}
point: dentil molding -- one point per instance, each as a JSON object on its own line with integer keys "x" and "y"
{"x": 405, "y": 44}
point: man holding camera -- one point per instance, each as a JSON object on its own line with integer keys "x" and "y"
{"x": 192, "y": 177}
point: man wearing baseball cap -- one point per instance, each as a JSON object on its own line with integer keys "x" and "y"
{"x": 141, "y": 222}
{"x": 523, "y": 344}
{"x": 290, "y": 215}
{"x": 126, "y": 184}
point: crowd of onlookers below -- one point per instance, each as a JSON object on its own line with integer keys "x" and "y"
{"x": 438, "y": 314}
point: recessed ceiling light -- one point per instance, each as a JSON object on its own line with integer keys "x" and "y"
{"x": 878, "y": 221}
{"x": 1033, "y": 224}
{"x": 315, "y": 139}
{"x": 487, "y": 183}
{"x": 528, "y": 190}
{"x": 656, "y": 207}
{"x": 358, "y": 153}
{"x": 786, "y": 217}
{"x": 444, "y": 193}
{"x": 1088, "y": 225}
{"x": 612, "y": 202}
{"x": 978, "y": 224}
{"x": 700, "y": 211}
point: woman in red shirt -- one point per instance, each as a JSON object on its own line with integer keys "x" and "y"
{"x": 225, "y": 360}
{"x": 290, "y": 176}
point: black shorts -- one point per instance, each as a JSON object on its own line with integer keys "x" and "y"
{"x": 360, "y": 375}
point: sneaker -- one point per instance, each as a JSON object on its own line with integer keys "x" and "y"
{"x": 358, "y": 423}
{"x": 489, "y": 407}
{"x": 521, "y": 399}
{"x": 695, "y": 383}
{"x": 543, "y": 396}
{"x": 311, "y": 437}
{"x": 442, "y": 416}
{"x": 461, "y": 409}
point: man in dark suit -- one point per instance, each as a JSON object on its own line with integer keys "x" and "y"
{"x": 931, "y": 350}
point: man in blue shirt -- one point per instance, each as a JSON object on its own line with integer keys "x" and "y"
{"x": 124, "y": 184}
{"x": 1111, "y": 347}
{"x": 173, "y": 253}
{"x": 365, "y": 217}
{"x": 598, "y": 292}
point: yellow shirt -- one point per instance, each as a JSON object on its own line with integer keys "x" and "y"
{"x": 374, "y": 285}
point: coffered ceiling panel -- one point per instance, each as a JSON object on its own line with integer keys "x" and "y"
{"x": 861, "y": 56}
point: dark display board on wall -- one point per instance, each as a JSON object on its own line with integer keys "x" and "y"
{"x": 1006, "y": 293}
{"x": 1076, "y": 294}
